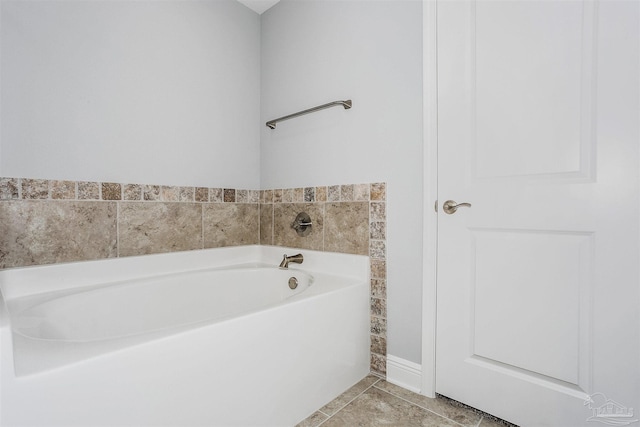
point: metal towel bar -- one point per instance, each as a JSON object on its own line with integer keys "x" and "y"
{"x": 271, "y": 124}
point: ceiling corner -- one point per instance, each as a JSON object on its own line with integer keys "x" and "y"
{"x": 259, "y": 6}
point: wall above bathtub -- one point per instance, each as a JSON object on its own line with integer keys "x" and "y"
{"x": 131, "y": 91}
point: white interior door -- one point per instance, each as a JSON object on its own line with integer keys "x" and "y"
{"x": 538, "y": 286}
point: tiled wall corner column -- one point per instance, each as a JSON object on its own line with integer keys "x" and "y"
{"x": 347, "y": 218}
{"x": 378, "y": 260}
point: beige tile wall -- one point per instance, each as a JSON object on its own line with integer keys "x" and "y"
{"x": 48, "y": 221}
{"x": 45, "y": 221}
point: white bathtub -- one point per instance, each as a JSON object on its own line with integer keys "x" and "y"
{"x": 212, "y": 338}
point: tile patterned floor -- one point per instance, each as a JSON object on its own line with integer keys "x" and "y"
{"x": 375, "y": 402}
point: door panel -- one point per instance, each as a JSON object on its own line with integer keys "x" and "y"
{"x": 544, "y": 304}
{"x": 538, "y": 279}
{"x": 529, "y": 103}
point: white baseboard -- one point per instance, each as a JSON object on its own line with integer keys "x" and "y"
{"x": 404, "y": 373}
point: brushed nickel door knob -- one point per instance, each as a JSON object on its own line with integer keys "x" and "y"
{"x": 450, "y": 206}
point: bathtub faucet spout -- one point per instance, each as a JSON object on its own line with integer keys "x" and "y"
{"x": 293, "y": 258}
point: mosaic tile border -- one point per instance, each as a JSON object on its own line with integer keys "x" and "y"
{"x": 332, "y": 193}
{"x": 44, "y": 189}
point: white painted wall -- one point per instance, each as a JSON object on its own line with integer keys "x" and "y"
{"x": 315, "y": 52}
{"x": 158, "y": 92}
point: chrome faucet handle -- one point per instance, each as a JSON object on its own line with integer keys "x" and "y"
{"x": 302, "y": 224}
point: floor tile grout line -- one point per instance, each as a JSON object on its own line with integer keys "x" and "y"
{"x": 422, "y": 407}
{"x": 349, "y": 402}
{"x": 483, "y": 415}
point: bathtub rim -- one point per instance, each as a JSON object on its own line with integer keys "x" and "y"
{"x": 351, "y": 268}
{"x": 23, "y": 281}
